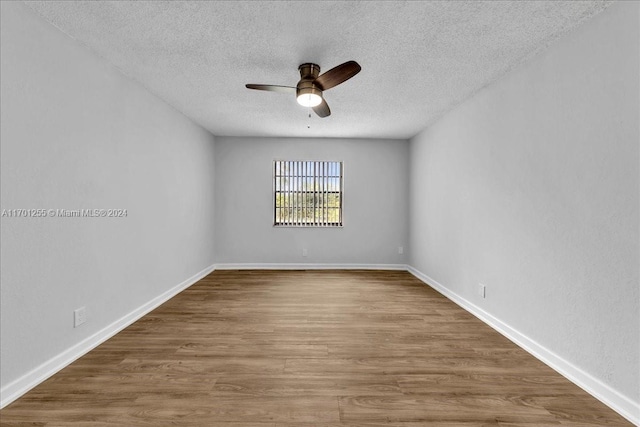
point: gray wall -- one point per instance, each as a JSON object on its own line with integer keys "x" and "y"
{"x": 375, "y": 215}
{"x": 75, "y": 134}
{"x": 531, "y": 187}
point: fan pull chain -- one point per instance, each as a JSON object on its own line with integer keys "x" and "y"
{"x": 309, "y": 125}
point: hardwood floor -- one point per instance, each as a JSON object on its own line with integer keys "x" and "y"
{"x": 308, "y": 348}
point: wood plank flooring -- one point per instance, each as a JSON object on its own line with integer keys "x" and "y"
{"x": 308, "y": 348}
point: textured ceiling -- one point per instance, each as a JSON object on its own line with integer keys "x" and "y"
{"x": 419, "y": 59}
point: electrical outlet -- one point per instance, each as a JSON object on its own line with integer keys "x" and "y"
{"x": 305, "y": 252}
{"x": 482, "y": 290}
{"x": 400, "y": 250}
{"x": 79, "y": 316}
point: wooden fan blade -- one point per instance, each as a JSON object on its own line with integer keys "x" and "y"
{"x": 322, "y": 109}
{"x": 337, "y": 75}
{"x": 273, "y": 88}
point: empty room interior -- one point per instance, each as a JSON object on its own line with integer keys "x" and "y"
{"x": 357, "y": 213}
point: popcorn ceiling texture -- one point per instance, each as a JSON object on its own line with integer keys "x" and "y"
{"x": 419, "y": 59}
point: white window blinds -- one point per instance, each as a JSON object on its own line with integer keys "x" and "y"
{"x": 307, "y": 193}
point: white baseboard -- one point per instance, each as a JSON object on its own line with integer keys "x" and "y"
{"x": 296, "y": 266}
{"x": 601, "y": 391}
{"x": 17, "y": 388}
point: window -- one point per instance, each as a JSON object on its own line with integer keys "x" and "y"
{"x": 307, "y": 193}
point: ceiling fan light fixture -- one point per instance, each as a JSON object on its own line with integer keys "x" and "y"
{"x": 309, "y": 99}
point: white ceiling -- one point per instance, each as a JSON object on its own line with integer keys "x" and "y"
{"x": 419, "y": 59}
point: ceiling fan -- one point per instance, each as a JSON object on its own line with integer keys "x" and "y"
{"x": 309, "y": 89}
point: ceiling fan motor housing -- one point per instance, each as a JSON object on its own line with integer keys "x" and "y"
{"x": 308, "y": 74}
{"x": 309, "y": 71}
